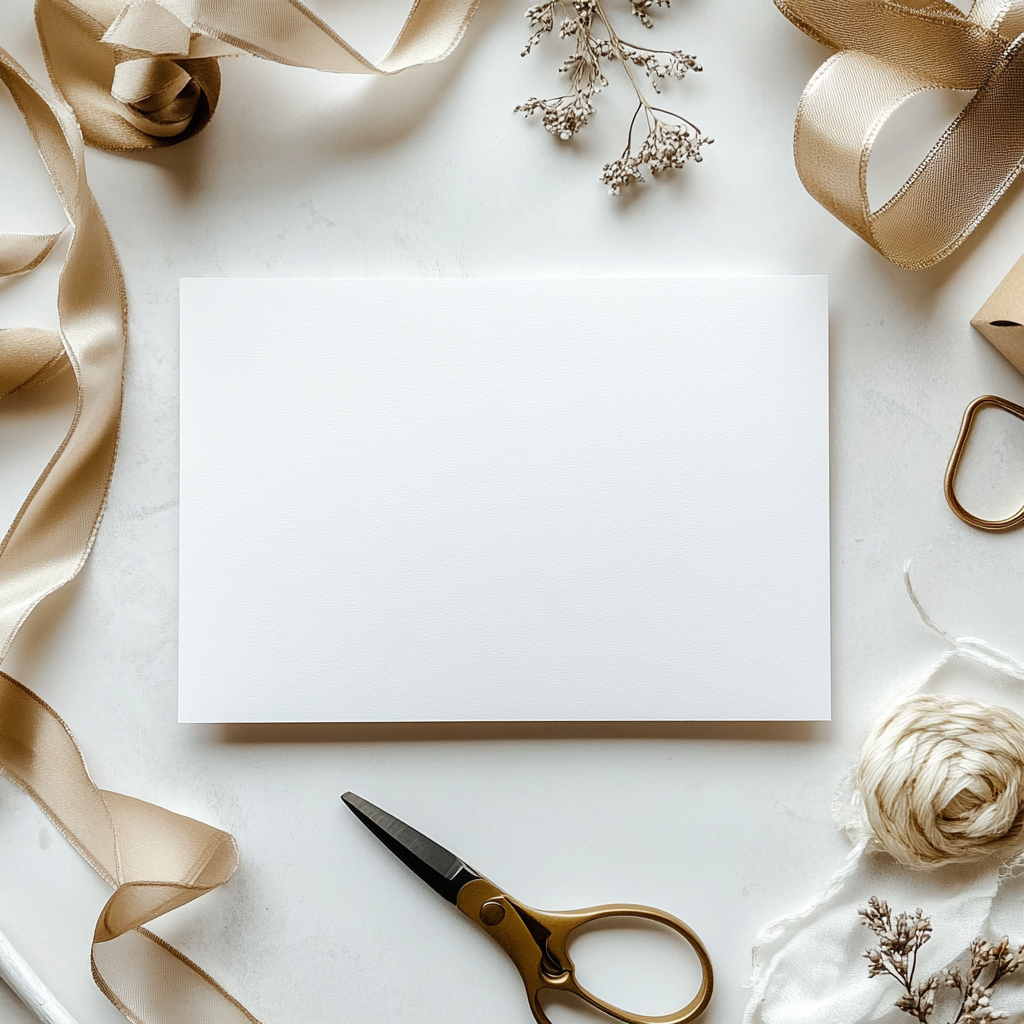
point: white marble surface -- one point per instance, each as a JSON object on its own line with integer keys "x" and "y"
{"x": 430, "y": 174}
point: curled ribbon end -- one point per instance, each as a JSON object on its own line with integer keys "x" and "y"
{"x": 150, "y": 28}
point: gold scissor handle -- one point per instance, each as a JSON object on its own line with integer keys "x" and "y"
{"x": 537, "y": 941}
{"x": 949, "y": 484}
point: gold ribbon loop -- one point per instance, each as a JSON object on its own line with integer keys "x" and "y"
{"x": 931, "y": 38}
{"x": 185, "y": 993}
{"x": 87, "y": 42}
{"x": 832, "y": 152}
{"x": 154, "y": 859}
{"x": 889, "y": 52}
{"x": 21, "y": 253}
{"x": 53, "y": 532}
{"x": 29, "y": 356}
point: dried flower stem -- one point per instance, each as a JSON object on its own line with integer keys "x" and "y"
{"x": 901, "y": 939}
{"x": 669, "y": 143}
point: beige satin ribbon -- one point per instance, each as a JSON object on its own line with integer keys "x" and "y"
{"x": 143, "y": 73}
{"x": 137, "y": 75}
{"x": 155, "y": 860}
{"x": 888, "y": 52}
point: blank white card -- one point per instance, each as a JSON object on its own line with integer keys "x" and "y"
{"x": 504, "y": 500}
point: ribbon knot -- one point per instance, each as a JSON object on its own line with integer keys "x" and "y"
{"x": 160, "y": 97}
{"x": 139, "y": 81}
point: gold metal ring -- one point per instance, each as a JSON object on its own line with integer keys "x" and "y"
{"x": 989, "y": 525}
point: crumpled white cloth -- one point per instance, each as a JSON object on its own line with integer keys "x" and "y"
{"x": 809, "y": 967}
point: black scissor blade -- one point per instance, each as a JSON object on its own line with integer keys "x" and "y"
{"x": 441, "y": 870}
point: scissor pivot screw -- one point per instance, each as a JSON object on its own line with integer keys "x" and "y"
{"x": 492, "y": 912}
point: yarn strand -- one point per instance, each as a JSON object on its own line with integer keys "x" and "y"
{"x": 971, "y": 647}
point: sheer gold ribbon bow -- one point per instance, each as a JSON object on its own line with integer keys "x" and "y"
{"x": 143, "y": 73}
{"x": 888, "y": 52}
{"x": 155, "y": 860}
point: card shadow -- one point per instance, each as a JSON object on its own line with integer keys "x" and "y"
{"x": 448, "y": 732}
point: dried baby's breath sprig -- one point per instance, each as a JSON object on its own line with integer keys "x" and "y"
{"x": 671, "y": 139}
{"x": 666, "y": 146}
{"x": 901, "y": 939}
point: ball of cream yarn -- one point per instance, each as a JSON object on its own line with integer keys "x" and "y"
{"x": 942, "y": 780}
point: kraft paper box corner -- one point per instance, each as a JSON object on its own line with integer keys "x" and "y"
{"x": 1001, "y": 319}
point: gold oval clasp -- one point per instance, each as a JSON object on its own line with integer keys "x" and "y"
{"x": 949, "y": 485}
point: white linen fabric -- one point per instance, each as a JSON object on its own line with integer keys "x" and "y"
{"x": 809, "y": 967}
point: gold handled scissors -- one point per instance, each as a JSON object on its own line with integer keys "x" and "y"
{"x": 535, "y": 941}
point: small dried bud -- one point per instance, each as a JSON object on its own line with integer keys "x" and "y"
{"x": 900, "y": 941}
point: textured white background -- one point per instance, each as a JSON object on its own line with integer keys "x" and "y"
{"x": 430, "y": 174}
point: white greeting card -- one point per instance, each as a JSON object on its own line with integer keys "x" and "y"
{"x": 488, "y": 500}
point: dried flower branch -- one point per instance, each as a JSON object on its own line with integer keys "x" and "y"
{"x": 671, "y": 139}
{"x": 899, "y": 942}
